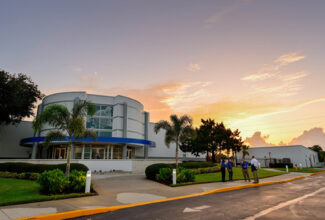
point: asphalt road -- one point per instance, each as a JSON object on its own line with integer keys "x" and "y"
{"x": 300, "y": 199}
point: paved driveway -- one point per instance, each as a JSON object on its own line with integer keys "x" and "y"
{"x": 301, "y": 199}
{"x": 117, "y": 190}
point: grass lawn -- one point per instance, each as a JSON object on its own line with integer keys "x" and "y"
{"x": 237, "y": 175}
{"x": 15, "y": 191}
{"x": 303, "y": 170}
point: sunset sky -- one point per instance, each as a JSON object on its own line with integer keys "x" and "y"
{"x": 257, "y": 65}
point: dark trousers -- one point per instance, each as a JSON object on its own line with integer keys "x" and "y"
{"x": 223, "y": 174}
{"x": 230, "y": 174}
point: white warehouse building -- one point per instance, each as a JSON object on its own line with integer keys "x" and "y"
{"x": 297, "y": 154}
{"x": 125, "y": 136}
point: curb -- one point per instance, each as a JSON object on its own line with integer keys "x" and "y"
{"x": 85, "y": 212}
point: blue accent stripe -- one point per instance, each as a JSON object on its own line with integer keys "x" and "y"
{"x": 31, "y": 140}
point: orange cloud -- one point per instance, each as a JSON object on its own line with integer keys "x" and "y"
{"x": 314, "y": 136}
{"x": 257, "y": 140}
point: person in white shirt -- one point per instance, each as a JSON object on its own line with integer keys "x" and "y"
{"x": 254, "y": 166}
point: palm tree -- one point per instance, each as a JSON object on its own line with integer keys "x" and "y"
{"x": 245, "y": 150}
{"x": 177, "y": 130}
{"x": 66, "y": 122}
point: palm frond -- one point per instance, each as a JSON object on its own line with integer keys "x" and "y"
{"x": 76, "y": 127}
{"x": 82, "y": 108}
{"x": 91, "y": 134}
{"x": 175, "y": 123}
{"x": 53, "y": 136}
{"x": 56, "y": 115}
{"x": 185, "y": 120}
{"x": 169, "y": 137}
{"x": 162, "y": 125}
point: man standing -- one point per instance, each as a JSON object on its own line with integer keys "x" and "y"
{"x": 255, "y": 166}
{"x": 229, "y": 167}
{"x": 244, "y": 166}
{"x": 223, "y": 171}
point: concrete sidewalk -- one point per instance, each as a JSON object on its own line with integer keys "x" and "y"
{"x": 118, "y": 190}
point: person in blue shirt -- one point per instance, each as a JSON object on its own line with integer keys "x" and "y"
{"x": 229, "y": 168}
{"x": 223, "y": 171}
{"x": 244, "y": 167}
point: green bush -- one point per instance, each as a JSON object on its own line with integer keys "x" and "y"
{"x": 165, "y": 175}
{"x": 154, "y": 169}
{"x": 207, "y": 170}
{"x": 27, "y": 176}
{"x": 77, "y": 181}
{"x": 185, "y": 175}
{"x": 52, "y": 181}
{"x": 196, "y": 164}
{"x": 280, "y": 165}
{"x": 39, "y": 168}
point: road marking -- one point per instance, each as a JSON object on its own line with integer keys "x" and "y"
{"x": 284, "y": 204}
{"x": 196, "y": 209}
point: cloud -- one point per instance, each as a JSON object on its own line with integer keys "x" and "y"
{"x": 288, "y": 58}
{"x": 280, "y": 110}
{"x": 77, "y": 69}
{"x": 314, "y": 136}
{"x": 224, "y": 11}
{"x": 257, "y": 140}
{"x": 230, "y": 111}
{"x": 255, "y": 77}
{"x": 193, "y": 67}
{"x": 91, "y": 80}
{"x": 272, "y": 79}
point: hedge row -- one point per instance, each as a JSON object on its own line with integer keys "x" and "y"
{"x": 152, "y": 170}
{"x": 280, "y": 165}
{"x": 207, "y": 170}
{"x": 197, "y": 164}
{"x": 26, "y": 176}
{"x": 39, "y": 168}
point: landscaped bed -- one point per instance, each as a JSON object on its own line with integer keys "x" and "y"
{"x": 16, "y": 191}
{"x": 237, "y": 175}
{"x": 303, "y": 170}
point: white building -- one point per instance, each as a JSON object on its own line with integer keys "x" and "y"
{"x": 297, "y": 154}
{"x": 124, "y": 132}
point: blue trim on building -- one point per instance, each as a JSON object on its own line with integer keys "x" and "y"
{"x": 31, "y": 140}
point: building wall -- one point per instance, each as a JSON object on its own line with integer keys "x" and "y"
{"x": 298, "y": 155}
{"x": 135, "y": 112}
{"x": 10, "y": 136}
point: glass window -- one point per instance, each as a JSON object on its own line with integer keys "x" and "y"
{"x": 87, "y": 152}
{"x": 117, "y": 152}
{"x": 105, "y": 123}
{"x": 105, "y": 134}
{"x": 98, "y": 153}
{"x": 78, "y": 152}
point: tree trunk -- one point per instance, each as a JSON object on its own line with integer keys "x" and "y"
{"x": 67, "y": 169}
{"x": 213, "y": 156}
{"x": 176, "y": 157}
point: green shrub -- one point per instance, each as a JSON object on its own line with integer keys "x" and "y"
{"x": 280, "y": 165}
{"x": 77, "y": 181}
{"x": 154, "y": 169}
{"x": 27, "y": 176}
{"x": 52, "y": 181}
{"x": 165, "y": 175}
{"x": 196, "y": 164}
{"x": 185, "y": 175}
{"x": 39, "y": 168}
{"x": 207, "y": 170}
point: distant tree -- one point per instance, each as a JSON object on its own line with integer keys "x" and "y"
{"x": 178, "y": 130}
{"x": 18, "y": 95}
{"x": 72, "y": 123}
{"x": 192, "y": 145}
{"x": 320, "y": 152}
